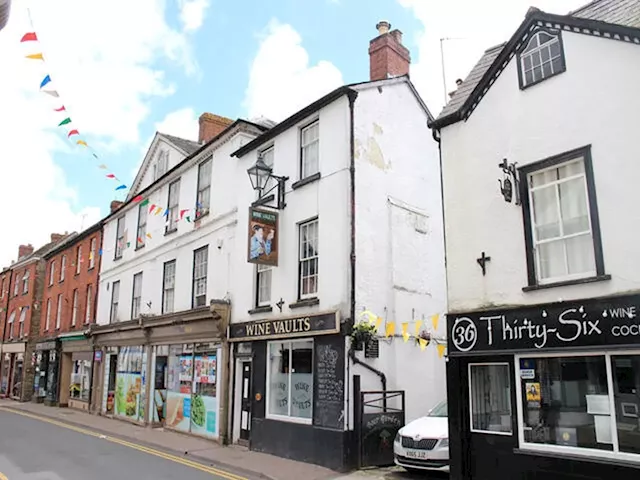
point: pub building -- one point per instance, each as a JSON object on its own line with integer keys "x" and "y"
{"x": 549, "y": 391}
{"x": 288, "y": 395}
{"x": 166, "y": 370}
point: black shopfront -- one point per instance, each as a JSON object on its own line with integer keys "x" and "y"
{"x": 296, "y": 388}
{"x": 546, "y": 392}
{"x": 47, "y": 366}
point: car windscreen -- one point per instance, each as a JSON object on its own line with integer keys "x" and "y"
{"x": 440, "y": 410}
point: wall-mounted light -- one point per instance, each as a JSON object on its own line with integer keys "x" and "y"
{"x": 259, "y": 175}
{"x": 507, "y": 185}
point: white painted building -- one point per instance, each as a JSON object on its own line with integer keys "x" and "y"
{"x": 361, "y": 231}
{"x": 553, "y": 308}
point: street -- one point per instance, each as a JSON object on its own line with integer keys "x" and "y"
{"x": 44, "y": 449}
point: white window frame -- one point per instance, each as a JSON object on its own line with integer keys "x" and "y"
{"x": 487, "y": 364}
{"x": 166, "y": 308}
{"x": 78, "y": 258}
{"x": 25, "y": 282}
{"x": 302, "y": 260}
{"x": 162, "y": 165}
{"x": 52, "y": 272}
{"x": 114, "y": 304}
{"x": 2, "y": 288}
{"x": 74, "y": 308}
{"x": 286, "y": 418}
{"x": 204, "y": 185}
{"x": 63, "y": 267}
{"x": 23, "y": 317}
{"x": 539, "y": 49}
{"x": 16, "y": 286}
{"x": 47, "y": 322}
{"x": 59, "y": 312}
{"x": 263, "y": 272}
{"x": 563, "y": 238}
{"x": 10, "y": 322}
{"x": 205, "y": 277}
{"x": 578, "y": 451}
{"x": 305, "y": 170}
{"x": 173, "y": 205}
{"x": 119, "y": 238}
{"x": 92, "y": 254}
{"x": 141, "y": 231}
{"x": 136, "y": 296}
{"x": 88, "y": 309}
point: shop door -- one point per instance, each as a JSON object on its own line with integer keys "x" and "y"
{"x": 6, "y": 374}
{"x": 245, "y": 402}
{"x": 16, "y": 386}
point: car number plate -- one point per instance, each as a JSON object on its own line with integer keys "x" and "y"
{"x": 417, "y": 454}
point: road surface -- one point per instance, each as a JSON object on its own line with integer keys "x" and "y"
{"x": 35, "y": 448}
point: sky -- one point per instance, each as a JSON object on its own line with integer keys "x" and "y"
{"x": 125, "y": 69}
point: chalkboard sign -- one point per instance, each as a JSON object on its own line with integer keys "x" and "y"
{"x": 328, "y": 395}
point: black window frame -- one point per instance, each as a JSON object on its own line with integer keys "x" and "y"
{"x": 524, "y": 172}
{"x": 550, "y": 31}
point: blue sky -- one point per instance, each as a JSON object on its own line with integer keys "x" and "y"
{"x": 125, "y": 69}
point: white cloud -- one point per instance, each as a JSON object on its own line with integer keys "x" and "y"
{"x": 192, "y": 13}
{"x": 281, "y": 80}
{"x": 473, "y": 27}
{"x": 106, "y": 78}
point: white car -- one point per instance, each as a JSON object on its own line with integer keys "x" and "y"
{"x": 424, "y": 443}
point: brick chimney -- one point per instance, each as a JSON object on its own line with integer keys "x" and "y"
{"x": 24, "y": 250}
{"x": 56, "y": 237}
{"x": 115, "y": 204}
{"x": 211, "y": 125}
{"x": 387, "y": 56}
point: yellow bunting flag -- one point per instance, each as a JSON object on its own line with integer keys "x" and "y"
{"x": 82, "y": 142}
{"x": 158, "y": 210}
{"x": 148, "y": 235}
{"x": 35, "y": 56}
{"x": 423, "y": 343}
{"x": 434, "y": 321}
{"x": 418, "y": 325}
{"x": 441, "y": 349}
{"x": 391, "y": 329}
{"x": 378, "y": 323}
{"x": 405, "y": 334}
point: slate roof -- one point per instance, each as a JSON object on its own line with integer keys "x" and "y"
{"x": 188, "y": 146}
{"x": 620, "y": 12}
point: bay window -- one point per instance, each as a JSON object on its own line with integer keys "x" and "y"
{"x": 290, "y": 380}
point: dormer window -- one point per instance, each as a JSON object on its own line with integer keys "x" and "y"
{"x": 541, "y": 58}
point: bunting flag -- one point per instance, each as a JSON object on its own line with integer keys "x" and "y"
{"x": 148, "y": 235}
{"x": 66, "y": 121}
{"x": 110, "y": 175}
{"x": 61, "y": 109}
{"x": 82, "y": 142}
{"x": 378, "y": 321}
{"x": 144, "y": 202}
{"x": 166, "y": 213}
{"x": 35, "y": 56}
{"x": 53, "y": 93}
{"x": 390, "y": 330}
{"x": 418, "y": 325}
{"x": 46, "y": 80}
{"x": 405, "y": 333}
{"x": 152, "y": 207}
{"x": 423, "y": 343}
{"x": 158, "y": 210}
{"x": 121, "y": 187}
{"x": 441, "y": 349}
{"x": 434, "y": 321}
{"x": 140, "y": 240}
{"x": 29, "y": 37}
{"x": 188, "y": 219}
{"x": 73, "y": 132}
{"x": 182, "y": 212}
{"x": 137, "y": 199}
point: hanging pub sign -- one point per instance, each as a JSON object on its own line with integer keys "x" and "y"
{"x": 598, "y": 322}
{"x": 286, "y": 327}
{"x": 263, "y": 237}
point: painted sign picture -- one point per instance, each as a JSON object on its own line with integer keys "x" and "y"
{"x": 263, "y": 237}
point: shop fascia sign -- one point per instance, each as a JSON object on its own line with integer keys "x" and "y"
{"x": 589, "y": 323}
{"x": 286, "y": 327}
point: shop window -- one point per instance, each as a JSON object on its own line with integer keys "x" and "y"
{"x": 80, "y": 380}
{"x": 200, "y": 264}
{"x": 579, "y": 405}
{"x": 168, "y": 286}
{"x": 290, "y": 380}
{"x": 490, "y": 395}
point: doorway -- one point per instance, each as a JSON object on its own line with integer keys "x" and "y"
{"x": 245, "y": 402}
{"x": 16, "y": 385}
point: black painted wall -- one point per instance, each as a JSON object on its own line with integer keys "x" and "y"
{"x": 331, "y": 448}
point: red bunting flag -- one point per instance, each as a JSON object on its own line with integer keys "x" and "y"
{"x": 111, "y": 175}
{"x": 182, "y": 212}
{"x": 73, "y": 132}
{"x": 29, "y": 37}
{"x": 138, "y": 199}
{"x": 152, "y": 207}
{"x": 61, "y": 109}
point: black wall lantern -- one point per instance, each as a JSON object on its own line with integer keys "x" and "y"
{"x": 507, "y": 185}
{"x": 259, "y": 175}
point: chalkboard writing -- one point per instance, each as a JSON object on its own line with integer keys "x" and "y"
{"x": 329, "y": 383}
{"x": 378, "y": 431}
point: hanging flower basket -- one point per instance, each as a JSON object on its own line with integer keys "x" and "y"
{"x": 361, "y": 334}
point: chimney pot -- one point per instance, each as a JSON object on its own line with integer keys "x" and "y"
{"x": 383, "y": 27}
{"x": 459, "y": 82}
{"x": 211, "y": 126}
{"x": 24, "y": 250}
{"x": 56, "y": 237}
{"x": 115, "y": 205}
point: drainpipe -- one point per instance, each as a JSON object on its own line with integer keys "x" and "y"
{"x": 352, "y": 173}
{"x": 438, "y": 138}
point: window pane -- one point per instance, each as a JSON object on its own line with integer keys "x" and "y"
{"x": 566, "y": 402}
{"x": 570, "y": 169}
{"x": 546, "y": 69}
{"x": 537, "y": 73}
{"x": 626, "y": 394}
{"x": 573, "y": 206}
{"x": 545, "y": 213}
{"x": 580, "y": 257}
{"x": 527, "y": 63}
{"x": 544, "y": 38}
{"x": 491, "y": 398}
{"x": 545, "y": 54}
{"x": 551, "y": 259}
{"x": 554, "y": 48}
{"x": 279, "y": 378}
{"x": 528, "y": 77}
{"x": 301, "y": 379}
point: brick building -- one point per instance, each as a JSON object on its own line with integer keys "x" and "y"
{"x": 64, "y": 355}
{"x": 22, "y": 286}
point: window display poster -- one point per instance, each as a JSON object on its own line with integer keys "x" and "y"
{"x": 204, "y": 405}
{"x": 129, "y": 395}
{"x": 533, "y": 392}
{"x": 178, "y": 410}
